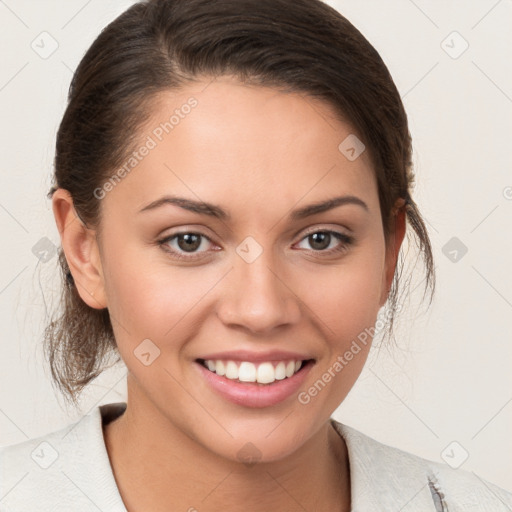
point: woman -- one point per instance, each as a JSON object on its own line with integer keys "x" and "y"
{"x": 232, "y": 188}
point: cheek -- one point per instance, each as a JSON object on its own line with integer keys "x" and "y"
{"x": 157, "y": 301}
{"x": 347, "y": 310}
{"x": 346, "y": 297}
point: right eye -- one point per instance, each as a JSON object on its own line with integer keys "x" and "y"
{"x": 183, "y": 244}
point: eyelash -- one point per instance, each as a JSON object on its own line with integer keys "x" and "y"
{"x": 343, "y": 247}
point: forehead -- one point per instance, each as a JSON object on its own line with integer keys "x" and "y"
{"x": 243, "y": 144}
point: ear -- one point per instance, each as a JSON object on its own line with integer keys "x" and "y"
{"x": 398, "y": 228}
{"x": 81, "y": 249}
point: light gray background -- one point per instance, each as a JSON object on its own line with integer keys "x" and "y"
{"x": 450, "y": 378}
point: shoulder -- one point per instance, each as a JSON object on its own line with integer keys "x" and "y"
{"x": 67, "y": 469}
{"x": 382, "y": 473}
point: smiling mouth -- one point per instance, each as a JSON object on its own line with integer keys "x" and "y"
{"x": 265, "y": 372}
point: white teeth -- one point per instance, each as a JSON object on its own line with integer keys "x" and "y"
{"x": 263, "y": 373}
{"x": 280, "y": 371}
{"x": 247, "y": 372}
{"x": 266, "y": 373}
{"x": 231, "y": 370}
{"x": 218, "y": 367}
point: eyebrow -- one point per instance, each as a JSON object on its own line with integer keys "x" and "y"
{"x": 204, "y": 208}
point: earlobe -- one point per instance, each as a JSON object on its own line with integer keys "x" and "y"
{"x": 396, "y": 238}
{"x": 81, "y": 250}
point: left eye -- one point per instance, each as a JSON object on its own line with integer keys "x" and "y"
{"x": 321, "y": 241}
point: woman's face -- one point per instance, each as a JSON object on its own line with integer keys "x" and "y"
{"x": 256, "y": 275}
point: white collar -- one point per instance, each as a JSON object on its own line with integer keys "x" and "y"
{"x": 382, "y": 477}
{"x": 387, "y": 478}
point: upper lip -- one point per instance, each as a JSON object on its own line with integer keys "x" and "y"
{"x": 256, "y": 357}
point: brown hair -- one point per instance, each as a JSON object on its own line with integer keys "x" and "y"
{"x": 302, "y": 46}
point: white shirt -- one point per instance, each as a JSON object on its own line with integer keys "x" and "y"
{"x": 69, "y": 471}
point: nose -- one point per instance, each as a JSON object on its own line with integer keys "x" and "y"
{"x": 257, "y": 298}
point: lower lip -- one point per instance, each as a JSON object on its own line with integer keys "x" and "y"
{"x": 253, "y": 394}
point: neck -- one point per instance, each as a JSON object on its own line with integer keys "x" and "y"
{"x": 156, "y": 465}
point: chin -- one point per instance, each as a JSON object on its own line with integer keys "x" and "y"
{"x": 256, "y": 439}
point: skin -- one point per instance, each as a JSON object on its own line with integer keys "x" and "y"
{"x": 259, "y": 154}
